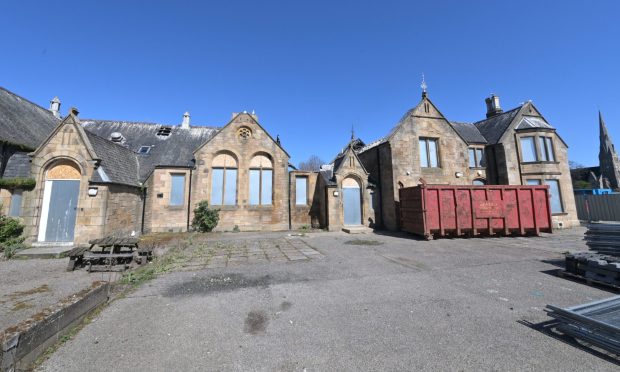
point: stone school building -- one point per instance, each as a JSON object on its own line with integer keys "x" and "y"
{"x": 72, "y": 179}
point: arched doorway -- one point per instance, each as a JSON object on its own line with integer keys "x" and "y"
{"x": 60, "y": 197}
{"x": 352, "y": 202}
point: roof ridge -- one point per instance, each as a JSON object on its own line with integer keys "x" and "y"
{"x": 145, "y": 123}
{"x": 500, "y": 114}
{"x": 29, "y": 101}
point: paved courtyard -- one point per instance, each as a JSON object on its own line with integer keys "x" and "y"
{"x": 343, "y": 302}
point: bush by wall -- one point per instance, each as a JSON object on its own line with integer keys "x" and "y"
{"x": 205, "y": 218}
{"x": 10, "y": 235}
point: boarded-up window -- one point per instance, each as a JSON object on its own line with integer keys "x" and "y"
{"x": 16, "y": 203}
{"x": 261, "y": 180}
{"x": 177, "y": 189}
{"x": 301, "y": 190}
{"x": 224, "y": 180}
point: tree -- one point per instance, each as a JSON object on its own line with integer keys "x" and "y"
{"x": 575, "y": 165}
{"x": 312, "y": 164}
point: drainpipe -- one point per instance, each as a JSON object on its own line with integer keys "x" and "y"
{"x": 189, "y": 198}
{"x": 290, "y": 222}
{"x": 143, "y": 209}
{"x": 380, "y": 198}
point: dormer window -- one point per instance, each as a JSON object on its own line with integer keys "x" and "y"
{"x": 144, "y": 150}
{"x": 546, "y": 149}
{"x": 475, "y": 157}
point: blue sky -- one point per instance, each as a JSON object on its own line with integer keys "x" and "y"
{"x": 313, "y": 69}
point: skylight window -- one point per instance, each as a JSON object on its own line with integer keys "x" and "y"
{"x": 144, "y": 150}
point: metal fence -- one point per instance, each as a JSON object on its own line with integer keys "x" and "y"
{"x": 598, "y": 207}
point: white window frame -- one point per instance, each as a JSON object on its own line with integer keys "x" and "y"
{"x": 425, "y": 151}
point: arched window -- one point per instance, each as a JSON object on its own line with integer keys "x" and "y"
{"x": 224, "y": 180}
{"x": 479, "y": 182}
{"x": 261, "y": 180}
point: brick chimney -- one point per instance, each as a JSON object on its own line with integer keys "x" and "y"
{"x": 55, "y": 107}
{"x": 493, "y": 107}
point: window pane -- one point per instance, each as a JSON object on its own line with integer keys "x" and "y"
{"x": 265, "y": 197}
{"x": 479, "y": 155}
{"x": 217, "y": 183}
{"x": 472, "y": 158}
{"x": 423, "y": 154}
{"x": 177, "y": 190}
{"x": 528, "y": 148}
{"x": 254, "y": 186}
{"x": 432, "y": 149}
{"x": 301, "y": 191}
{"x": 230, "y": 192}
{"x": 543, "y": 149}
{"x": 478, "y": 183}
{"x": 556, "y": 200}
{"x": 549, "y": 142}
{"x": 533, "y": 182}
{"x": 16, "y": 203}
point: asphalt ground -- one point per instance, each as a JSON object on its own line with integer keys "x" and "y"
{"x": 384, "y": 303}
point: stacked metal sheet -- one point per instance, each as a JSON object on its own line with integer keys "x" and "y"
{"x": 597, "y": 267}
{"x": 604, "y": 238}
{"x": 597, "y": 323}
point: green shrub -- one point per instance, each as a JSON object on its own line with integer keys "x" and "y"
{"x": 10, "y": 235}
{"x": 205, "y": 218}
{"x": 236, "y": 228}
{"x": 10, "y": 228}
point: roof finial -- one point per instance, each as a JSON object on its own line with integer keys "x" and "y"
{"x": 423, "y": 86}
{"x": 352, "y": 133}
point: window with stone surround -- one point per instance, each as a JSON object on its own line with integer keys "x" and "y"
{"x": 475, "y": 157}
{"x": 546, "y": 149}
{"x": 301, "y": 190}
{"x": 555, "y": 195}
{"x": 261, "y": 180}
{"x": 528, "y": 149}
{"x": 177, "y": 189}
{"x": 16, "y": 203}
{"x": 224, "y": 180}
{"x": 429, "y": 156}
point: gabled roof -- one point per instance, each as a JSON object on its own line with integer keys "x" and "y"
{"x": 23, "y": 122}
{"x": 253, "y": 118}
{"x": 173, "y": 150}
{"x": 468, "y": 132}
{"x": 118, "y": 164}
{"x": 494, "y": 127}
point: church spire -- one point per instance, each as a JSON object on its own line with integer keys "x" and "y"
{"x": 606, "y": 144}
{"x": 607, "y": 157}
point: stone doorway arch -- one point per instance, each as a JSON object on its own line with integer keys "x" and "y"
{"x": 351, "y": 202}
{"x": 60, "y": 198}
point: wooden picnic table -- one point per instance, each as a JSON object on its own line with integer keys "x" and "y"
{"x": 115, "y": 254}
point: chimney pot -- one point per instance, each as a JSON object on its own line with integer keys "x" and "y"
{"x": 186, "y": 120}
{"x": 55, "y": 107}
{"x": 493, "y": 106}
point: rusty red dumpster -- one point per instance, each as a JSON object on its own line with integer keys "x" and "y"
{"x": 441, "y": 210}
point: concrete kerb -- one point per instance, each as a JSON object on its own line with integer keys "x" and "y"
{"x": 23, "y": 343}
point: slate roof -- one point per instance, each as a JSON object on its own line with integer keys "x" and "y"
{"x": 174, "y": 150}
{"x": 494, "y": 127}
{"x": 23, "y": 122}
{"x": 118, "y": 164}
{"x": 18, "y": 165}
{"x": 469, "y": 132}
